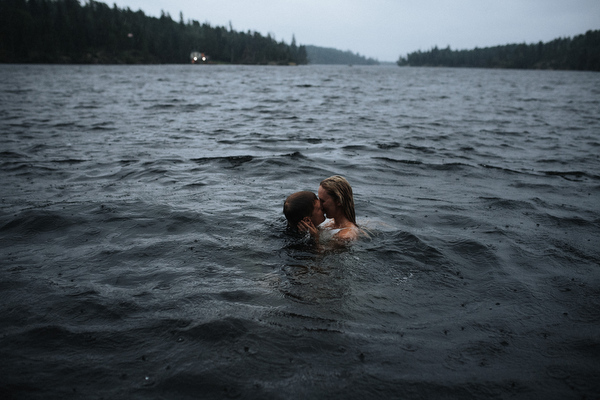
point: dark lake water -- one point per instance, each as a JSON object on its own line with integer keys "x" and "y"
{"x": 143, "y": 251}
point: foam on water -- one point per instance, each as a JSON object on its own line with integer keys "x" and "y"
{"x": 144, "y": 252}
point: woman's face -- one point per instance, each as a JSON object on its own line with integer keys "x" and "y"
{"x": 317, "y": 216}
{"x": 327, "y": 203}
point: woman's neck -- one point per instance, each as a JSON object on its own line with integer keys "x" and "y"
{"x": 340, "y": 221}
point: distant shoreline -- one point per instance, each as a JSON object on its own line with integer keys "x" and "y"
{"x": 581, "y": 53}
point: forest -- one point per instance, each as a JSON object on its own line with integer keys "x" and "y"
{"x": 65, "y": 31}
{"x": 581, "y": 52}
{"x": 326, "y": 55}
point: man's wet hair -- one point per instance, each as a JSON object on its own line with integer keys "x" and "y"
{"x": 298, "y": 206}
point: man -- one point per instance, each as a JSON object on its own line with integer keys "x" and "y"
{"x": 303, "y": 212}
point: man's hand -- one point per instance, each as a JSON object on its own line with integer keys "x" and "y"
{"x": 306, "y": 225}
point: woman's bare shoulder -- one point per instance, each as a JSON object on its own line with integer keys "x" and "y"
{"x": 349, "y": 233}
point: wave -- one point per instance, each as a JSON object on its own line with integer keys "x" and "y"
{"x": 33, "y": 222}
{"x": 411, "y": 162}
{"x": 572, "y": 175}
{"x": 233, "y": 161}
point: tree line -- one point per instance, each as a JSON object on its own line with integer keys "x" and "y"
{"x": 581, "y": 52}
{"x": 326, "y": 55}
{"x": 65, "y": 31}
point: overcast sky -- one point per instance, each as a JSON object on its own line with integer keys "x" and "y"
{"x": 386, "y": 29}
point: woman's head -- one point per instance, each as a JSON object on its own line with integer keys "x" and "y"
{"x": 301, "y": 205}
{"x": 336, "y": 196}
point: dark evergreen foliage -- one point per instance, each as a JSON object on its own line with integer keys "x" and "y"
{"x": 324, "y": 55}
{"x": 65, "y": 31}
{"x": 579, "y": 53}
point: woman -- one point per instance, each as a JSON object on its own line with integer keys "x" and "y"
{"x": 335, "y": 194}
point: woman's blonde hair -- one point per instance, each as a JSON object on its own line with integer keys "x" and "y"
{"x": 341, "y": 192}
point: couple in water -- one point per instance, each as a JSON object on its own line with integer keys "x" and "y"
{"x": 306, "y": 212}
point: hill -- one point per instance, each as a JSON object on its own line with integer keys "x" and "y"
{"x": 579, "y": 53}
{"x": 325, "y": 55}
{"x": 64, "y": 31}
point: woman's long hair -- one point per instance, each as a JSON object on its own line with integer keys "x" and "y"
{"x": 341, "y": 191}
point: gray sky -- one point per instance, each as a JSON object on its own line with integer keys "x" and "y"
{"x": 386, "y": 29}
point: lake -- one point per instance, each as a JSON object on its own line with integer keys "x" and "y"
{"x": 143, "y": 249}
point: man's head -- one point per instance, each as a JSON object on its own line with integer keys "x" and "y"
{"x": 301, "y": 205}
